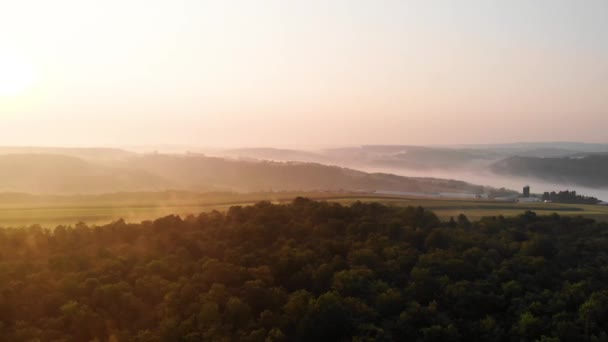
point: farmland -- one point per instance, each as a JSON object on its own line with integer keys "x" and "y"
{"x": 18, "y": 210}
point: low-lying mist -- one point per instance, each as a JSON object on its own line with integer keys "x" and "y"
{"x": 487, "y": 178}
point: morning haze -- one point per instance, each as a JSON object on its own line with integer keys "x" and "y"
{"x": 310, "y": 73}
{"x": 303, "y": 170}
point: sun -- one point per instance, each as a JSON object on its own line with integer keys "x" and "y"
{"x": 16, "y": 75}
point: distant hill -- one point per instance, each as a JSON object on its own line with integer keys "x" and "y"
{"x": 61, "y": 174}
{"x": 458, "y": 156}
{"x": 568, "y": 164}
{"x": 96, "y": 170}
{"x": 49, "y": 173}
{"x": 438, "y": 158}
{"x": 276, "y": 154}
{"x": 410, "y": 157}
{"x": 100, "y": 154}
{"x": 225, "y": 174}
{"x": 413, "y": 157}
{"x": 590, "y": 170}
{"x": 524, "y": 147}
{"x": 546, "y": 152}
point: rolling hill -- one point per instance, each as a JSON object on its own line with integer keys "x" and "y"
{"x": 408, "y": 157}
{"x": 99, "y": 154}
{"x": 97, "y": 170}
{"x": 195, "y": 171}
{"x": 275, "y": 154}
{"x": 50, "y": 173}
{"x": 589, "y": 170}
{"x": 61, "y": 174}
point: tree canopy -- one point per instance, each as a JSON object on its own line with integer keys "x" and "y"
{"x": 569, "y": 197}
{"x": 308, "y": 271}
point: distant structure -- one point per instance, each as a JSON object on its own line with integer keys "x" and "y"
{"x": 526, "y": 198}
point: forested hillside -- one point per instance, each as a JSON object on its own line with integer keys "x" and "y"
{"x": 589, "y": 170}
{"x": 308, "y": 271}
{"x": 68, "y": 174}
{"x": 196, "y": 171}
{"x": 415, "y": 157}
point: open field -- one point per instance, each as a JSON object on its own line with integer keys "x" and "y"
{"x": 18, "y": 210}
{"x": 49, "y": 211}
{"x": 475, "y": 209}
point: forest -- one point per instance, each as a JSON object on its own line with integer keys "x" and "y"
{"x": 308, "y": 271}
{"x": 568, "y": 197}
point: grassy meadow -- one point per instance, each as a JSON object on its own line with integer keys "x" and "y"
{"x": 475, "y": 209}
{"x": 17, "y": 210}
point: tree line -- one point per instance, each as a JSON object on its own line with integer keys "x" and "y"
{"x": 308, "y": 271}
{"x": 568, "y": 197}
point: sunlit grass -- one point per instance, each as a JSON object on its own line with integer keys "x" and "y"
{"x": 69, "y": 210}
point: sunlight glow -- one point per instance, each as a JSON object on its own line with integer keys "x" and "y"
{"x": 16, "y": 75}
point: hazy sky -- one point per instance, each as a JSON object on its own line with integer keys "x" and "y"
{"x": 289, "y": 73}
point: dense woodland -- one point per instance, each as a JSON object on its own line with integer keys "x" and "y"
{"x": 569, "y": 197}
{"x": 308, "y": 271}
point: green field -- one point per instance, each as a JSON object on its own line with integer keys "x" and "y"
{"x": 17, "y": 210}
{"x": 447, "y": 208}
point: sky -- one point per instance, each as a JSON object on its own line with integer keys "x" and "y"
{"x": 302, "y": 73}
